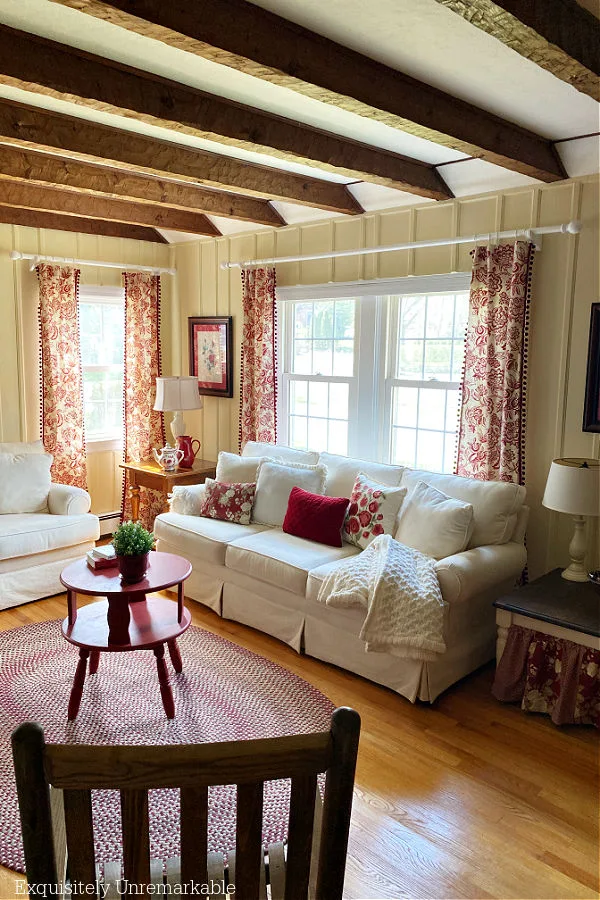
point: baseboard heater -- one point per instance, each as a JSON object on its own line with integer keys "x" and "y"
{"x": 108, "y": 522}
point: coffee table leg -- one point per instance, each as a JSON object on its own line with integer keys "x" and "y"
{"x": 175, "y": 655}
{"x": 77, "y": 689}
{"x": 94, "y": 660}
{"x": 163, "y": 679}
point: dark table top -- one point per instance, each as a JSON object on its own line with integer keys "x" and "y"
{"x": 551, "y": 598}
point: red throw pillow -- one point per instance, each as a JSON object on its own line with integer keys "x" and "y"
{"x": 315, "y": 517}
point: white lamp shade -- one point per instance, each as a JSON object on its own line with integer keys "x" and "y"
{"x": 573, "y": 487}
{"x": 177, "y": 392}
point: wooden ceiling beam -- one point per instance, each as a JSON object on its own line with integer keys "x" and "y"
{"x": 33, "y": 196}
{"x": 32, "y": 218}
{"x": 20, "y": 165}
{"x": 558, "y": 35}
{"x": 260, "y": 43}
{"x": 38, "y": 129}
{"x": 37, "y": 65}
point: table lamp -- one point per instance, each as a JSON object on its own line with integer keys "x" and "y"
{"x": 174, "y": 394}
{"x": 572, "y": 487}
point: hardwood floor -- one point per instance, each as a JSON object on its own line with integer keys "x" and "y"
{"x": 465, "y": 799}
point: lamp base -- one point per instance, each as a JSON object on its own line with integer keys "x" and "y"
{"x": 177, "y": 425}
{"x": 577, "y": 570}
{"x": 574, "y": 572}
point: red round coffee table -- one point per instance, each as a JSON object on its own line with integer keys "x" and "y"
{"x": 127, "y": 619}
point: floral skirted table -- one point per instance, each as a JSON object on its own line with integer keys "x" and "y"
{"x": 548, "y": 650}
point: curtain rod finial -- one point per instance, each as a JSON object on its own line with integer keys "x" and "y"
{"x": 573, "y": 227}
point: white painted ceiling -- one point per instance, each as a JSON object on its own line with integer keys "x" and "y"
{"x": 418, "y": 37}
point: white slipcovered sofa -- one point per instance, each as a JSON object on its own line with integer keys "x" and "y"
{"x": 43, "y": 526}
{"x": 268, "y": 579}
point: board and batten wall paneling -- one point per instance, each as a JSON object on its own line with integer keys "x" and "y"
{"x": 565, "y": 283}
{"x": 19, "y": 344}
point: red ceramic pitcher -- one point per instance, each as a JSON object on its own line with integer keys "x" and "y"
{"x": 186, "y": 445}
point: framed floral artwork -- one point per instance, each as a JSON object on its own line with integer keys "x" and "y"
{"x": 591, "y": 409}
{"x": 211, "y": 354}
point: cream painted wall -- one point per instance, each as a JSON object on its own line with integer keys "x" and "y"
{"x": 19, "y": 373}
{"x": 565, "y": 284}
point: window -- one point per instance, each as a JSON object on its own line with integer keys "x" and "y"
{"x": 101, "y": 323}
{"x": 376, "y": 375}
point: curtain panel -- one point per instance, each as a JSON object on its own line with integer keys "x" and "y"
{"x": 258, "y": 394}
{"x": 550, "y": 675}
{"x": 143, "y": 426}
{"x": 61, "y": 380}
{"x": 491, "y": 434}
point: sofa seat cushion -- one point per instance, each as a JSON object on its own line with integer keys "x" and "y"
{"x": 496, "y": 504}
{"x": 281, "y": 559}
{"x": 199, "y": 537}
{"x": 24, "y": 534}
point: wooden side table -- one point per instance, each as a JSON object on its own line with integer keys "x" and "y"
{"x": 554, "y": 606}
{"x": 149, "y": 474}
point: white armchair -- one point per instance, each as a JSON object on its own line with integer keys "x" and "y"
{"x": 43, "y": 526}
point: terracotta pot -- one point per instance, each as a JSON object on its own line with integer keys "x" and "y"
{"x": 133, "y": 568}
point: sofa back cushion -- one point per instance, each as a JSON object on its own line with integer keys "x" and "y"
{"x": 234, "y": 469}
{"x": 274, "y": 486}
{"x": 495, "y": 503}
{"x": 434, "y": 523}
{"x": 24, "y": 482}
{"x": 342, "y": 472}
{"x": 285, "y": 454}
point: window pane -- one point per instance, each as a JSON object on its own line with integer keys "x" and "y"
{"x": 460, "y": 316}
{"x": 432, "y": 407}
{"x": 449, "y": 452}
{"x": 338, "y": 400}
{"x": 338, "y": 437}
{"x": 452, "y": 411}
{"x": 437, "y": 360}
{"x": 102, "y": 344}
{"x": 318, "y": 399}
{"x": 303, "y": 314}
{"x": 299, "y": 397}
{"x": 412, "y": 317}
{"x": 403, "y": 446}
{"x": 302, "y": 361}
{"x": 410, "y": 359}
{"x": 430, "y": 450}
{"x": 458, "y": 359}
{"x": 344, "y": 319}
{"x": 405, "y": 406}
{"x": 113, "y": 335}
{"x": 440, "y": 316}
{"x": 323, "y": 319}
{"x": 343, "y": 357}
{"x": 317, "y": 434}
{"x": 322, "y": 357}
{"x": 298, "y": 432}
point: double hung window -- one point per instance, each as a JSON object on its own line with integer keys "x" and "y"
{"x": 374, "y": 370}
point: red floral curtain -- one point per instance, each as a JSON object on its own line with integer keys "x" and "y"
{"x": 62, "y": 421}
{"x": 491, "y": 432}
{"x": 258, "y": 396}
{"x": 144, "y": 428}
{"x": 550, "y": 675}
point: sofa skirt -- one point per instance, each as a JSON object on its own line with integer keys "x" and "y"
{"x": 37, "y": 576}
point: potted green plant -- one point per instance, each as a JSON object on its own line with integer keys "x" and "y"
{"x": 132, "y": 545}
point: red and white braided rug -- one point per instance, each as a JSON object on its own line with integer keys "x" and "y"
{"x": 224, "y": 693}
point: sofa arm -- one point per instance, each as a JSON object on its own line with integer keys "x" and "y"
{"x": 464, "y": 575}
{"x": 66, "y": 500}
{"x": 187, "y": 499}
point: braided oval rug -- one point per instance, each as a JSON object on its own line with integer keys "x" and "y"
{"x": 224, "y": 693}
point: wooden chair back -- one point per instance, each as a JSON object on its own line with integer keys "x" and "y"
{"x": 54, "y": 784}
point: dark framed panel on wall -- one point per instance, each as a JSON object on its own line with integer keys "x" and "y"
{"x": 211, "y": 354}
{"x": 591, "y": 408}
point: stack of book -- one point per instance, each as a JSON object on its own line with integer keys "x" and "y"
{"x": 101, "y": 557}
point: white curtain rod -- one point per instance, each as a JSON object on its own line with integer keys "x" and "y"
{"x": 530, "y": 233}
{"x": 156, "y": 270}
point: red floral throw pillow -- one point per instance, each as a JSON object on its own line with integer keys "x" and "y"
{"x": 372, "y": 511}
{"x": 229, "y": 502}
{"x": 315, "y": 517}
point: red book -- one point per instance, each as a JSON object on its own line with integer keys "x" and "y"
{"x": 96, "y": 564}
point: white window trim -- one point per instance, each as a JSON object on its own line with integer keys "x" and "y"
{"x": 452, "y": 282}
{"x": 100, "y": 293}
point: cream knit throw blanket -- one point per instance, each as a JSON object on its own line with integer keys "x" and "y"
{"x": 399, "y": 589}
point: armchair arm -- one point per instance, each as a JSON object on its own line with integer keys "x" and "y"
{"x": 66, "y": 500}
{"x": 472, "y": 572}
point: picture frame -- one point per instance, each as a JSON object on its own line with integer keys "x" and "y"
{"x": 211, "y": 354}
{"x": 591, "y": 407}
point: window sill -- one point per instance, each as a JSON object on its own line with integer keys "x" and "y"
{"x": 102, "y": 445}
